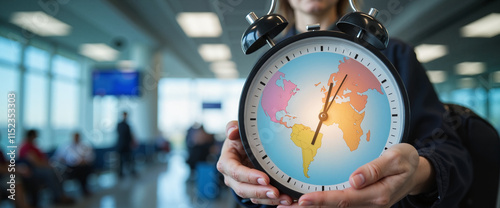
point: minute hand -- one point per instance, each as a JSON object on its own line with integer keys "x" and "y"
{"x": 336, "y": 93}
{"x": 323, "y": 116}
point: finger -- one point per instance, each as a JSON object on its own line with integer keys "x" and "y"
{"x": 394, "y": 161}
{"x": 232, "y": 132}
{"x": 282, "y": 200}
{"x": 344, "y": 198}
{"x": 246, "y": 190}
{"x": 229, "y": 165}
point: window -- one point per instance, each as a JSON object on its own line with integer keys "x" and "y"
{"x": 495, "y": 108}
{"x": 474, "y": 99}
{"x": 35, "y": 107}
{"x": 10, "y": 52}
{"x": 36, "y": 59}
{"x": 105, "y": 120}
{"x": 65, "y": 68}
{"x": 180, "y": 104}
{"x": 65, "y": 98}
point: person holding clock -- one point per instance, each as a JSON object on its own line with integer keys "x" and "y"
{"x": 429, "y": 168}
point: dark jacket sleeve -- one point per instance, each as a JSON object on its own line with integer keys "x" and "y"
{"x": 431, "y": 136}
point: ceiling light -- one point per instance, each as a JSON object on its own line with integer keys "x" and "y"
{"x": 200, "y": 24}
{"x": 224, "y": 69}
{"x": 470, "y": 68}
{"x": 496, "y": 77}
{"x": 40, "y": 23}
{"x": 126, "y": 64}
{"x": 99, "y": 52}
{"x": 467, "y": 82}
{"x": 214, "y": 52}
{"x": 436, "y": 76}
{"x": 486, "y": 27}
{"x": 428, "y": 52}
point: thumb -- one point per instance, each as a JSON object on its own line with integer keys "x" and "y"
{"x": 392, "y": 162}
{"x": 232, "y": 130}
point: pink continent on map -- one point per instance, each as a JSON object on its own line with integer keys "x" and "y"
{"x": 275, "y": 98}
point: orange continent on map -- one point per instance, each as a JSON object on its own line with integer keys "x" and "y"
{"x": 349, "y": 122}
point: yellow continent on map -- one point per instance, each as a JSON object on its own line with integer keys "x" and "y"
{"x": 302, "y": 137}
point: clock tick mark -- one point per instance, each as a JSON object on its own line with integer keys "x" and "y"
{"x": 287, "y": 58}
{"x": 289, "y": 178}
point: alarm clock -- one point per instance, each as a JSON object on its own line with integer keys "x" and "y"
{"x": 320, "y": 104}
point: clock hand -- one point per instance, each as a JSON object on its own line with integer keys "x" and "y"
{"x": 328, "y": 97}
{"x": 316, "y": 132}
{"x": 336, "y": 93}
{"x": 322, "y": 116}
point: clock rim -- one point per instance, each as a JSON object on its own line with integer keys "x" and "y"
{"x": 311, "y": 34}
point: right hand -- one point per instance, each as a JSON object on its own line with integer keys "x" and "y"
{"x": 239, "y": 174}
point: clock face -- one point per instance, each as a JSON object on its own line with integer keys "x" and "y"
{"x": 316, "y": 108}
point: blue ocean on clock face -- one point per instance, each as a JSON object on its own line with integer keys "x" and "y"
{"x": 355, "y": 133}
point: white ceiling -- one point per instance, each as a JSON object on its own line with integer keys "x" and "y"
{"x": 152, "y": 23}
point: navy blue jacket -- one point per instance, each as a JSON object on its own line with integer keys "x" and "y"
{"x": 429, "y": 134}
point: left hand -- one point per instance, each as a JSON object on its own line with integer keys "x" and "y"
{"x": 380, "y": 183}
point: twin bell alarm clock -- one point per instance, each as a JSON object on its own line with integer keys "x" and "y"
{"x": 320, "y": 104}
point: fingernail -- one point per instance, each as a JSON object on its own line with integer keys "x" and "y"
{"x": 358, "y": 180}
{"x": 305, "y": 203}
{"x": 231, "y": 130}
{"x": 261, "y": 181}
{"x": 271, "y": 195}
{"x": 285, "y": 202}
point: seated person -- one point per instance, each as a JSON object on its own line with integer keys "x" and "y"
{"x": 18, "y": 197}
{"x": 76, "y": 160}
{"x": 42, "y": 171}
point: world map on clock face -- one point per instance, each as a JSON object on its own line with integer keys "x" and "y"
{"x": 355, "y": 132}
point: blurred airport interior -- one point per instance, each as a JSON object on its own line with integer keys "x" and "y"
{"x": 176, "y": 67}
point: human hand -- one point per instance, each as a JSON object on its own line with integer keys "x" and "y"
{"x": 381, "y": 183}
{"x": 240, "y": 175}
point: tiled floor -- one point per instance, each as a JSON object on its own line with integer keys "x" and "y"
{"x": 165, "y": 184}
